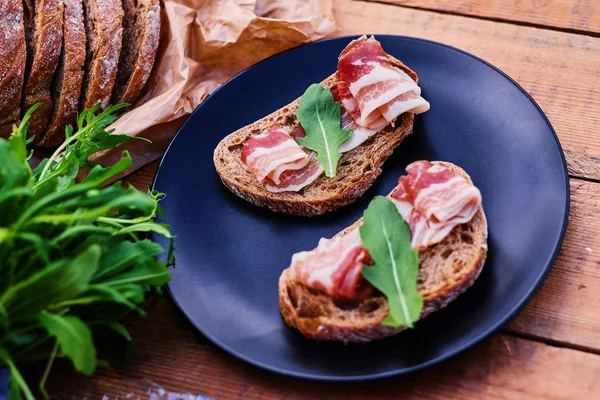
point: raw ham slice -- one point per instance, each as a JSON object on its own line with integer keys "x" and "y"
{"x": 434, "y": 200}
{"x": 294, "y": 180}
{"x": 376, "y": 85}
{"x": 334, "y": 267}
{"x": 270, "y": 154}
{"x": 350, "y": 111}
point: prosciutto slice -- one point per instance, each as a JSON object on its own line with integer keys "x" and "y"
{"x": 434, "y": 200}
{"x": 381, "y": 91}
{"x": 334, "y": 267}
{"x": 270, "y": 154}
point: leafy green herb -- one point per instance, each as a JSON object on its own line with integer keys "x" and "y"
{"x": 396, "y": 265}
{"x": 320, "y": 116}
{"x": 74, "y": 257}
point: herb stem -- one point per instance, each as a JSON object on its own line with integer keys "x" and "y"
{"x": 47, "y": 371}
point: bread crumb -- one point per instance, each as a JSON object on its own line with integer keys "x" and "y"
{"x": 589, "y": 249}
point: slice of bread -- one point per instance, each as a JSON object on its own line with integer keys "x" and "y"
{"x": 356, "y": 171}
{"x": 141, "y": 33}
{"x": 446, "y": 270}
{"x": 43, "y": 33}
{"x": 104, "y": 32}
{"x": 66, "y": 88}
{"x": 12, "y": 64}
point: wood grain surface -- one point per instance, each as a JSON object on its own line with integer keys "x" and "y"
{"x": 551, "y": 350}
{"x": 560, "y": 70}
{"x": 167, "y": 354}
{"x": 582, "y": 16}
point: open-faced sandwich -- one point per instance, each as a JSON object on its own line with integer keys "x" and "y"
{"x": 325, "y": 149}
{"x": 412, "y": 253}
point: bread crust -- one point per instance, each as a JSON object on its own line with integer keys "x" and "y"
{"x": 141, "y": 30}
{"x": 67, "y": 85}
{"x": 104, "y": 36}
{"x": 12, "y": 63}
{"x": 360, "y": 326}
{"x": 350, "y": 182}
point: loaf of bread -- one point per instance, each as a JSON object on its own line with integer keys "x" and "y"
{"x": 69, "y": 55}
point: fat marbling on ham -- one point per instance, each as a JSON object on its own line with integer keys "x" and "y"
{"x": 431, "y": 198}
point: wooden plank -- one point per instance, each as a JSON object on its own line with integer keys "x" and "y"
{"x": 166, "y": 353}
{"x": 577, "y": 16}
{"x": 560, "y": 70}
{"x": 566, "y": 307}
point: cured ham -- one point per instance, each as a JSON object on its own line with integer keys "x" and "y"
{"x": 277, "y": 159}
{"x": 434, "y": 200}
{"x": 349, "y": 112}
{"x": 270, "y": 154}
{"x": 294, "y": 180}
{"x": 381, "y": 91}
{"x": 334, "y": 267}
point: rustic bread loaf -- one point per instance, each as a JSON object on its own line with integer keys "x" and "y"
{"x": 141, "y": 33}
{"x": 43, "y": 34}
{"x": 446, "y": 270}
{"x": 104, "y": 32}
{"x": 356, "y": 171}
{"x": 66, "y": 89}
{"x": 12, "y": 63}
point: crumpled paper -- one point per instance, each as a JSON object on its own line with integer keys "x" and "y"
{"x": 203, "y": 44}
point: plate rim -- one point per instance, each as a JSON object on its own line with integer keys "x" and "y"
{"x": 458, "y": 350}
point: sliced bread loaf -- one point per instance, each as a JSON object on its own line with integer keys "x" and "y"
{"x": 141, "y": 33}
{"x": 43, "y": 22}
{"x": 66, "y": 88}
{"x": 12, "y": 63}
{"x": 104, "y": 32}
{"x": 446, "y": 270}
{"x": 356, "y": 171}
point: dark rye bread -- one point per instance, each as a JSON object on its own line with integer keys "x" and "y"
{"x": 356, "y": 171}
{"x": 43, "y": 33}
{"x": 66, "y": 88}
{"x": 141, "y": 32}
{"x": 104, "y": 32}
{"x": 12, "y": 63}
{"x": 446, "y": 270}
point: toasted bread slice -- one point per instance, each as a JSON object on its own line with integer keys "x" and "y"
{"x": 66, "y": 88}
{"x": 104, "y": 32}
{"x": 43, "y": 33}
{"x": 12, "y": 64}
{"x": 141, "y": 32}
{"x": 356, "y": 170}
{"x": 446, "y": 270}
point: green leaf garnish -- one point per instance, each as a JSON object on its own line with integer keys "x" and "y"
{"x": 320, "y": 116}
{"x": 396, "y": 265}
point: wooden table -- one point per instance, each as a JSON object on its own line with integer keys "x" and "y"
{"x": 551, "y": 350}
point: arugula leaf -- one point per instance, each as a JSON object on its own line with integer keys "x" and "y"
{"x": 396, "y": 265}
{"x": 75, "y": 339}
{"x": 320, "y": 116}
{"x": 121, "y": 330}
{"x": 70, "y": 256}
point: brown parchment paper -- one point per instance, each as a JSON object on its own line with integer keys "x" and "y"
{"x": 203, "y": 44}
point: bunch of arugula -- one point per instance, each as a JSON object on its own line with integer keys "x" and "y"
{"x": 73, "y": 260}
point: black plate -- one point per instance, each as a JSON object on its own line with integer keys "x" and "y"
{"x": 230, "y": 253}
